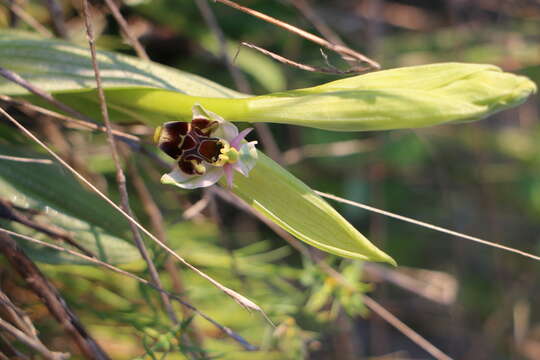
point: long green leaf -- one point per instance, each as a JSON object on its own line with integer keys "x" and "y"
{"x": 288, "y": 202}
{"x": 64, "y": 203}
{"x": 138, "y": 90}
{"x": 271, "y": 189}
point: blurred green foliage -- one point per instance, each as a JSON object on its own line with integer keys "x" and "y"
{"x": 480, "y": 179}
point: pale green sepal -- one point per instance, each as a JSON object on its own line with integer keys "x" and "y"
{"x": 399, "y": 98}
{"x": 408, "y": 97}
{"x": 226, "y": 130}
{"x": 278, "y": 195}
{"x": 248, "y": 158}
{"x": 178, "y": 178}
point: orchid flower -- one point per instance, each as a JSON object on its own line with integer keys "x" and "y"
{"x": 205, "y": 150}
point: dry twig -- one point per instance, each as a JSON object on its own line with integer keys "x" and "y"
{"x": 311, "y": 68}
{"x": 307, "y": 10}
{"x": 132, "y": 140}
{"x": 17, "y": 79}
{"x": 156, "y": 221}
{"x": 240, "y": 299}
{"x": 8, "y": 211}
{"x": 36, "y": 345}
{"x": 139, "y": 49}
{"x": 57, "y": 18}
{"x": 345, "y": 52}
{"x": 374, "y": 306}
{"x": 120, "y": 177}
{"x": 429, "y": 226}
{"x": 225, "y": 329}
{"x": 27, "y": 18}
{"x": 57, "y": 306}
{"x": 240, "y": 80}
{"x": 26, "y": 160}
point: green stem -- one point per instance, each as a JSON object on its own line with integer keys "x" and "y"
{"x": 178, "y": 105}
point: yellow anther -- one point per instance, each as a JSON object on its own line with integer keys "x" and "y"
{"x": 199, "y": 168}
{"x": 157, "y": 134}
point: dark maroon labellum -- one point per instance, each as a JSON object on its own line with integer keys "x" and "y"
{"x": 190, "y": 143}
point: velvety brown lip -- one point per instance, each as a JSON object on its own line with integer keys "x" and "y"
{"x": 190, "y": 142}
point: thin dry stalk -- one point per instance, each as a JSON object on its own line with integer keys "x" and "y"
{"x": 418, "y": 287}
{"x": 25, "y": 339}
{"x": 16, "y": 316}
{"x": 240, "y": 299}
{"x": 27, "y": 18}
{"x": 156, "y": 220}
{"x": 21, "y": 321}
{"x": 17, "y": 79}
{"x": 343, "y": 51}
{"x": 224, "y": 237}
{"x": 57, "y": 306}
{"x": 375, "y": 307}
{"x": 132, "y": 39}
{"x": 239, "y": 79}
{"x": 7, "y": 211}
{"x": 225, "y": 329}
{"x": 196, "y": 209}
{"x": 27, "y": 108}
{"x": 429, "y": 226}
{"x": 120, "y": 177}
{"x": 404, "y": 329}
{"x": 26, "y": 160}
{"x": 57, "y": 18}
{"x": 311, "y": 68}
{"x": 7, "y": 351}
{"x": 307, "y": 10}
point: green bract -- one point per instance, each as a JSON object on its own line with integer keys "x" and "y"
{"x": 407, "y": 97}
{"x": 263, "y": 184}
{"x": 153, "y": 94}
{"x": 292, "y": 205}
{"x": 137, "y": 90}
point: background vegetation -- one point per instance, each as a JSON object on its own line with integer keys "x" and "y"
{"x": 470, "y": 301}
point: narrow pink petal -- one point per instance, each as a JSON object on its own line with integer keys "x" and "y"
{"x": 235, "y": 143}
{"x": 228, "y": 170}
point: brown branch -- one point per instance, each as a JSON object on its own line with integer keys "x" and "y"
{"x": 210, "y": 19}
{"x": 156, "y": 220}
{"x": 7, "y": 211}
{"x": 429, "y": 226}
{"x": 311, "y": 68}
{"x": 139, "y": 49}
{"x": 25, "y": 339}
{"x": 7, "y": 351}
{"x": 26, "y": 160}
{"x": 17, "y": 79}
{"x": 16, "y": 316}
{"x": 19, "y": 319}
{"x": 343, "y": 51}
{"x": 225, "y": 329}
{"x": 307, "y": 10}
{"x": 27, "y": 18}
{"x": 57, "y": 306}
{"x": 132, "y": 140}
{"x": 196, "y": 209}
{"x": 374, "y": 306}
{"x": 240, "y": 80}
{"x": 404, "y": 329}
{"x": 240, "y": 299}
{"x": 120, "y": 177}
{"x": 57, "y": 18}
